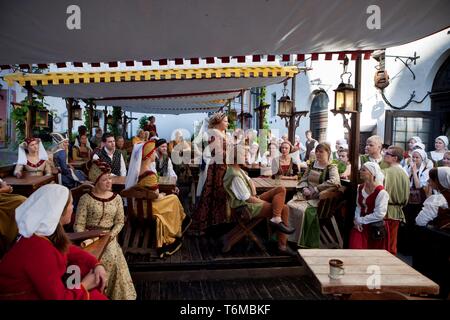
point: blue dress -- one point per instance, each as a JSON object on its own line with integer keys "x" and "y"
{"x": 70, "y": 178}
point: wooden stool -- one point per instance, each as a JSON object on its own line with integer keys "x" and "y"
{"x": 243, "y": 229}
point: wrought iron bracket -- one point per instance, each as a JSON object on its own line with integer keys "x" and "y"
{"x": 406, "y": 61}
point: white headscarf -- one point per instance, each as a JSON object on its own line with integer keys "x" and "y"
{"x": 444, "y": 176}
{"x": 375, "y": 170}
{"x": 41, "y": 212}
{"x": 444, "y": 139}
{"x": 416, "y": 139}
{"x": 422, "y": 153}
{"x": 135, "y": 166}
{"x": 418, "y": 145}
{"x": 22, "y": 155}
{"x": 341, "y": 142}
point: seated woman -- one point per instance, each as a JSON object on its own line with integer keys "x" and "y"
{"x": 418, "y": 175}
{"x": 440, "y": 182}
{"x": 253, "y": 157}
{"x": 8, "y": 204}
{"x": 446, "y": 159}
{"x": 40, "y": 265}
{"x": 82, "y": 150}
{"x": 285, "y": 166}
{"x": 70, "y": 177}
{"x": 321, "y": 175}
{"x": 163, "y": 163}
{"x": 32, "y": 159}
{"x": 372, "y": 202}
{"x": 103, "y": 210}
{"x": 120, "y": 146}
{"x": 241, "y": 190}
{"x": 345, "y": 164}
{"x": 171, "y": 221}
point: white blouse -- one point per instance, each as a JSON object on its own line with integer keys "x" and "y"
{"x": 240, "y": 188}
{"x": 430, "y": 209}
{"x": 437, "y": 156}
{"x": 381, "y": 204}
{"x": 423, "y": 176}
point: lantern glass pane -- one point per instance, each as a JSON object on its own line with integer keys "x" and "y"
{"x": 349, "y": 100}
{"x": 340, "y": 102}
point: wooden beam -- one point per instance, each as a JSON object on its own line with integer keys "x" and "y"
{"x": 105, "y": 124}
{"x": 69, "y": 103}
{"x": 242, "y": 108}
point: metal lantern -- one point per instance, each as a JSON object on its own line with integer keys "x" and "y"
{"x": 345, "y": 98}
{"x": 285, "y": 104}
{"x": 76, "y": 112}
{"x": 232, "y": 115}
{"x": 41, "y": 118}
{"x": 96, "y": 121}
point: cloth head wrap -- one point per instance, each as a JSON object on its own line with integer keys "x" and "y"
{"x": 444, "y": 176}
{"x": 41, "y": 212}
{"x": 375, "y": 170}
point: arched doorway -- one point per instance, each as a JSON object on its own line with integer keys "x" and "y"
{"x": 319, "y": 115}
{"x": 440, "y": 97}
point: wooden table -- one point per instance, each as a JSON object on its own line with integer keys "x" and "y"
{"x": 361, "y": 268}
{"x": 164, "y": 186}
{"x": 98, "y": 247}
{"x": 79, "y": 164}
{"x": 265, "y": 184}
{"x": 27, "y": 185}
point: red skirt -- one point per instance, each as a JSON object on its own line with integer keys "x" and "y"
{"x": 362, "y": 240}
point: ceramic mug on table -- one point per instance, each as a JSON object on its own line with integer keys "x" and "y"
{"x": 336, "y": 269}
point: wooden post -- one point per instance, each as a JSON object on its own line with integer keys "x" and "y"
{"x": 29, "y": 124}
{"x": 292, "y": 122}
{"x": 242, "y": 109}
{"x": 124, "y": 125}
{"x": 105, "y": 124}
{"x": 91, "y": 118}
{"x": 355, "y": 124}
{"x": 69, "y": 103}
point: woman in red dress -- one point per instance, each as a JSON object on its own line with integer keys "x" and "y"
{"x": 372, "y": 202}
{"x": 212, "y": 208}
{"x": 42, "y": 264}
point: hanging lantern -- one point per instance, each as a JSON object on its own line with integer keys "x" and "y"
{"x": 41, "y": 118}
{"x": 76, "y": 112}
{"x": 285, "y": 104}
{"x": 96, "y": 121}
{"x": 345, "y": 98}
{"x": 345, "y": 93}
{"x": 232, "y": 115}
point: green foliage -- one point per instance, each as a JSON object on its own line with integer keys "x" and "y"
{"x": 142, "y": 122}
{"x": 19, "y": 116}
{"x": 86, "y": 119}
{"x": 114, "y": 127}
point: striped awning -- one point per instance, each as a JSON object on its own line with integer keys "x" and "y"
{"x": 67, "y": 78}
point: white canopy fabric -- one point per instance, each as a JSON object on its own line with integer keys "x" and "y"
{"x": 36, "y": 32}
{"x": 172, "y": 105}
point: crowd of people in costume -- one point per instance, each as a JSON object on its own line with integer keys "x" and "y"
{"x": 395, "y": 186}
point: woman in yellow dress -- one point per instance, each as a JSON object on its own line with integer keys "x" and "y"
{"x": 171, "y": 221}
{"x": 103, "y": 210}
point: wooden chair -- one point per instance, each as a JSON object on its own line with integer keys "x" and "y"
{"x": 77, "y": 193}
{"x": 243, "y": 229}
{"x": 330, "y": 235}
{"x": 138, "y": 237}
